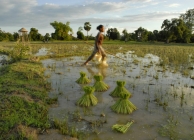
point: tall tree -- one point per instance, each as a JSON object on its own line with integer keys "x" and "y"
{"x": 15, "y": 36}
{"x": 113, "y": 34}
{"x": 188, "y": 18}
{"x": 192, "y": 38}
{"x": 80, "y": 34}
{"x": 166, "y": 27}
{"x": 47, "y": 36}
{"x": 125, "y": 35}
{"x": 33, "y": 34}
{"x": 141, "y": 34}
{"x": 62, "y": 31}
{"x": 151, "y": 36}
{"x": 87, "y": 27}
{"x": 175, "y": 29}
{"x": 156, "y": 34}
{"x": 6, "y": 36}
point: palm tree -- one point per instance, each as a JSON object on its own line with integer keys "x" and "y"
{"x": 87, "y": 27}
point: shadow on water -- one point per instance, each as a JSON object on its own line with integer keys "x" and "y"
{"x": 164, "y": 99}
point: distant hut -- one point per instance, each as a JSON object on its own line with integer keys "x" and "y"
{"x": 23, "y": 35}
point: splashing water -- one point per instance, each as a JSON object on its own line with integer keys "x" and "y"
{"x": 99, "y": 59}
{"x": 104, "y": 63}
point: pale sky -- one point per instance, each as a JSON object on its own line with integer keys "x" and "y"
{"x": 122, "y": 14}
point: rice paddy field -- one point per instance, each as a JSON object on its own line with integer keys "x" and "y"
{"x": 159, "y": 78}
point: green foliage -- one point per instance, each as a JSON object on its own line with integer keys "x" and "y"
{"x": 6, "y": 36}
{"x": 80, "y": 35}
{"x": 23, "y": 100}
{"x": 170, "y": 129}
{"x": 126, "y": 36}
{"x": 62, "y": 31}
{"x": 34, "y": 35}
{"x": 22, "y": 111}
{"x": 19, "y": 52}
{"x": 62, "y": 126}
{"x": 66, "y": 129}
{"x": 177, "y": 30}
{"x": 99, "y": 85}
{"x": 120, "y": 90}
{"x": 47, "y": 37}
{"x": 188, "y": 18}
{"x": 113, "y": 34}
{"x": 87, "y": 27}
{"x": 15, "y": 36}
{"x": 192, "y": 38}
{"x": 83, "y": 79}
{"x": 141, "y": 34}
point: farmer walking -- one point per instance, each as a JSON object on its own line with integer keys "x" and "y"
{"x": 98, "y": 46}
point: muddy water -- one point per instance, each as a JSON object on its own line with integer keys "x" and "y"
{"x": 42, "y": 51}
{"x": 150, "y": 85}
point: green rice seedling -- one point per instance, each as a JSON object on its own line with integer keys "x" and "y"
{"x": 120, "y": 89}
{"x": 122, "y": 128}
{"x": 88, "y": 99}
{"x": 73, "y": 132}
{"x": 62, "y": 126}
{"x": 99, "y": 85}
{"x": 123, "y": 105}
{"x": 83, "y": 79}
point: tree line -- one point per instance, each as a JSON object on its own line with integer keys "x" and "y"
{"x": 180, "y": 30}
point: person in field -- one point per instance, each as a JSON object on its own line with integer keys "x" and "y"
{"x": 98, "y": 46}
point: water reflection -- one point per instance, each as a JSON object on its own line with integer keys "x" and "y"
{"x": 102, "y": 70}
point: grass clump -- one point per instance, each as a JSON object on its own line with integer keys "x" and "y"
{"x": 65, "y": 129}
{"x": 19, "y": 52}
{"x": 88, "y": 99}
{"x": 99, "y": 85}
{"x": 120, "y": 90}
{"x": 83, "y": 79}
{"x": 123, "y": 105}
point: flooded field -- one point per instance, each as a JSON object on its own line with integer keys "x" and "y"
{"x": 164, "y": 96}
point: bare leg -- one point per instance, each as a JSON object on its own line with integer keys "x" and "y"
{"x": 102, "y": 53}
{"x": 90, "y": 57}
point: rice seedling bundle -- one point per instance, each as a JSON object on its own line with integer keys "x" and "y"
{"x": 88, "y": 99}
{"x": 122, "y": 128}
{"x": 123, "y": 105}
{"x": 83, "y": 79}
{"x": 99, "y": 85}
{"x": 120, "y": 90}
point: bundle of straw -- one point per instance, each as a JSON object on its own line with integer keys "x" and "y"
{"x": 122, "y": 128}
{"x": 83, "y": 79}
{"x": 99, "y": 85}
{"x": 123, "y": 105}
{"x": 120, "y": 89}
{"x": 88, "y": 99}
